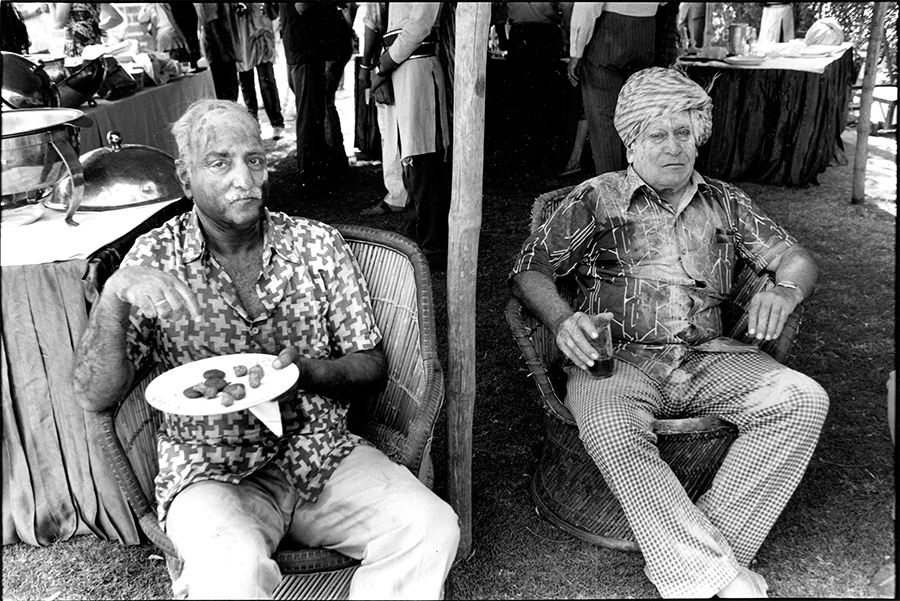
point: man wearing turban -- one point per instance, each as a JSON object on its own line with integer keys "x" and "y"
{"x": 653, "y": 250}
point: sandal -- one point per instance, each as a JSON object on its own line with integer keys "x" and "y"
{"x": 382, "y": 208}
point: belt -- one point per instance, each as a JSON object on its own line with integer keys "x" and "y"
{"x": 428, "y": 47}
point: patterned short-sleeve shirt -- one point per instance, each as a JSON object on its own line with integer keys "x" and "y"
{"x": 314, "y": 299}
{"x": 662, "y": 271}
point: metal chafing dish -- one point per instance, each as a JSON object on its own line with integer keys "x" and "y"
{"x": 38, "y": 150}
{"x": 120, "y": 176}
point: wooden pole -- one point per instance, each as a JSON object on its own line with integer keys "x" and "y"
{"x": 865, "y": 104}
{"x": 472, "y": 27}
{"x": 708, "y": 26}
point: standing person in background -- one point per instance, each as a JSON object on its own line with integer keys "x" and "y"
{"x": 306, "y": 48}
{"x": 185, "y": 18}
{"x": 217, "y": 38}
{"x": 35, "y": 15}
{"x": 409, "y": 79}
{"x": 534, "y": 47}
{"x": 341, "y": 26}
{"x": 15, "y": 33}
{"x": 169, "y": 38}
{"x": 84, "y": 23}
{"x": 692, "y": 23}
{"x": 256, "y": 39}
{"x": 396, "y": 199}
{"x": 777, "y": 23}
{"x": 609, "y": 42}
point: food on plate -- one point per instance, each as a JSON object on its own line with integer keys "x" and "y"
{"x": 217, "y": 383}
{"x": 236, "y": 391}
{"x": 192, "y": 393}
{"x": 213, "y": 373}
{"x": 240, "y": 370}
{"x": 256, "y": 374}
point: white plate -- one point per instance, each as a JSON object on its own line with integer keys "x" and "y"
{"x": 166, "y": 391}
{"x": 21, "y": 216}
{"x": 745, "y": 60}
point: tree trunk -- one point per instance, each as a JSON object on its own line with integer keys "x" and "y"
{"x": 865, "y": 104}
{"x": 473, "y": 21}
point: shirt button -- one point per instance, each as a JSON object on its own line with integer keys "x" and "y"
{"x": 254, "y": 330}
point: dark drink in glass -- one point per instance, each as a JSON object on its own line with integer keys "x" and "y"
{"x": 603, "y": 365}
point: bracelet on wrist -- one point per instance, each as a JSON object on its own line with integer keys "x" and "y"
{"x": 366, "y": 67}
{"x": 791, "y": 286}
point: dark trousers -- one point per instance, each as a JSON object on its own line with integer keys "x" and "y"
{"x": 621, "y": 45}
{"x": 268, "y": 89}
{"x": 334, "y": 137}
{"x": 426, "y": 220}
{"x": 225, "y": 80}
{"x": 307, "y": 81}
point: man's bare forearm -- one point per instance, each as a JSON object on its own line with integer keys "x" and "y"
{"x": 538, "y": 293}
{"x": 798, "y": 266}
{"x": 345, "y": 378}
{"x": 103, "y": 372}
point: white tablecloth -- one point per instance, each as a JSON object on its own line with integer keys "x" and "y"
{"x": 147, "y": 116}
{"x": 51, "y": 239}
{"x": 814, "y": 64}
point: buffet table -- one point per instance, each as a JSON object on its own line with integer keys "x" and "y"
{"x": 146, "y": 116}
{"x": 777, "y": 122}
{"x": 55, "y": 482}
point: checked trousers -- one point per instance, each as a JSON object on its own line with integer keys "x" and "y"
{"x": 694, "y": 550}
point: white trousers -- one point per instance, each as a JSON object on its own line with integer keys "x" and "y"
{"x": 371, "y": 509}
{"x": 777, "y": 23}
{"x": 390, "y": 157}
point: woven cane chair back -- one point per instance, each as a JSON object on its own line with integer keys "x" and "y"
{"x": 400, "y": 421}
{"x": 567, "y": 487}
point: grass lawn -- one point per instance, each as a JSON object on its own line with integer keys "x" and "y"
{"x": 835, "y": 532}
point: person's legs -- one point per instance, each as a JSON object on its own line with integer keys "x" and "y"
{"x": 225, "y": 80}
{"x": 308, "y": 85}
{"x": 334, "y": 138}
{"x": 685, "y": 554}
{"x": 269, "y": 91}
{"x": 248, "y": 92}
{"x": 779, "y": 413}
{"x": 427, "y": 222}
{"x": 397, "y": 196}
{"x": 600, "y": 92}
{"x": 226, "y": 534}
{"x": 375, "y": 510}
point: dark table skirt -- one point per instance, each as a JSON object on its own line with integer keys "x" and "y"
{"x": 773, "y": 126}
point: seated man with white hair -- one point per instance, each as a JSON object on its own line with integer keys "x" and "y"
{"x": 231, "y": 277}
{"x": 654, "y": 247}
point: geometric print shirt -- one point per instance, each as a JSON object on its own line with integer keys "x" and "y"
{"x": 314, "y": 299}
{"x": 662, "y": 271}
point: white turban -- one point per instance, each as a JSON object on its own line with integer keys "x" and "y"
{"x": 659, "y": 92}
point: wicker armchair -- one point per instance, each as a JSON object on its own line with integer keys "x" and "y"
{"x": 400, "y": 421}
{"x": 567, "y": 487}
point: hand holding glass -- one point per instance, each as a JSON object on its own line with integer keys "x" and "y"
{"x": 603, "y": 365}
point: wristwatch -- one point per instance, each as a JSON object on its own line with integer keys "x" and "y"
{"x": 790, "y": 285}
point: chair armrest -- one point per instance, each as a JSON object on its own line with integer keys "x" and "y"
{"x": 523, "y": 326}
{"x": 127, "y": 479}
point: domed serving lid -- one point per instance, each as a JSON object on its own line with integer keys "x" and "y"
{"x": 123, "y": 175}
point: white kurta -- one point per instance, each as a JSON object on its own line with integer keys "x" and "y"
{"x": 419, "y": 90}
